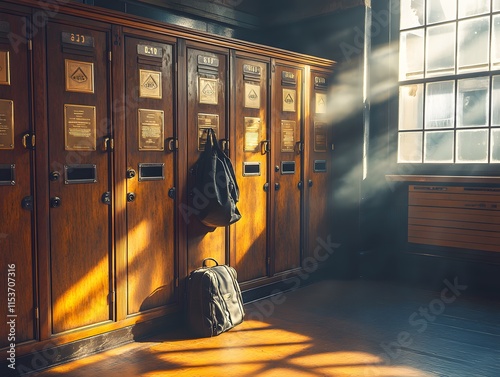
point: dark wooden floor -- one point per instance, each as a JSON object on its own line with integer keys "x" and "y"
{"x": 330, "y": 328}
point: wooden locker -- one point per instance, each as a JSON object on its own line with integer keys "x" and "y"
{"x": 286, "y": 152}
{"x": 250, "y": 146}
{"x": 81, "y": 276}
{"x": 17, "y": 257}
{"x": 207, "y": 98}
{"x": 317, "y": 165}
{"x": 150, "y": 176}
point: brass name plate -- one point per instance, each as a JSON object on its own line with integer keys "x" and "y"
{"x": 288, "y": 136}
{"x": 79, "y": 128}
{"x": 253, "y": 128}
{"x": 252, "y": 96}
{"x": 4, "y": 68}
{"x": 77, "y": 39}
{"x": 289, "y": 98}
{"x": 150, "y": 84}
{"x": 208, "y": 61}
{"x": 320, "y": 137}
{"x": 288, "y": 78}
{"x": 251, "y": 69}
{"x": 6, "y": 124}
{"x": 208, "y": 92}
{"x": 79, "y": 76}
{"x": 320, "y": 103}
{"x": 147, "y": 50}
{"x": 206, "y": 121}
{"x": 151, "y": 130}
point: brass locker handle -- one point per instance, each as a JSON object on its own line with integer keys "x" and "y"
{"x": 299, "y": 147}
{"x": 264, "y": 147}
{"x": 310, "y": 183}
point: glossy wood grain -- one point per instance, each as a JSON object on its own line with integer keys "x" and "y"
{"x": 331, "y": 328}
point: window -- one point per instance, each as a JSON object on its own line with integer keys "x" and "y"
{"x": 449, "y": 82}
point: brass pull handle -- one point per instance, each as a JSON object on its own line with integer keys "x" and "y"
{"x": 264, "y": 147}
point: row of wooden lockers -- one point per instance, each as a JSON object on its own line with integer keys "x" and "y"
{"x": 100, "y": 125}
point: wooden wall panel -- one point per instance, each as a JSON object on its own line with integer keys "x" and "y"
{"x": 460, "y": 217}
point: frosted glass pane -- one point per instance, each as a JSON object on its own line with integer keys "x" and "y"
{"x": 495, "y": 102}
{"x": 495, "y": 43}
{"x": 496, "y": 5}
{"x": 411, "y": 107}
{"x": 410, "y": 147}
{"x": 441, "y": 50}
{"x": 472, "y": 102}
{"x": 468, "y": 8}
{"x": 411, "y": 55}
{"x": 438, "y": 146}
{"x": 441, "y": 10}
{"x": 473, "y": 44}
{"x": 440, "y": 105}
{"x": 412, "y": 13}
{"x": 495, "y": 145}
{"x": 472, "y": 146}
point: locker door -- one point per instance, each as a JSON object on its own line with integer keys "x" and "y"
{"x": 206, "y": 105}
{"x": 80, "y": 176}
{"x": 286, "y": 149}
{"x": 317, "y": 164}
{"x": 16, "y": 201}
{"x": 249, "y": 234}
{"x": 149, "y": 88}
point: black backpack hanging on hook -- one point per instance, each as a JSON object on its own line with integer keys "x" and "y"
{"x": 216, "y": 186}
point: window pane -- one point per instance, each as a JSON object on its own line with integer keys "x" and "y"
{"x": 440, "y": 50}
{"x": 472, "y": 7}
{"x": 411, "y": 55}
{"x": 410, "y": 147}
{"x": 495, "y": 102}
{"x": 441, "y": 10}
{"x": 412, "y": 13}
{"x": 411, "y": 107}
{"x": 496, "y": 5}
{"x": 438, "y": 146}
{"x": 472, "y": 102}
{"x": 495, "y": 43}
{"x": 440, "y": 105}
{"x": 472, "y": 146}
{"x": 473, "y": 44}
{"x": 495, "y": 145}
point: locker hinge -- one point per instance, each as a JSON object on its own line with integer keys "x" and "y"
{"x": 29, "y": 141}
{"x": 268, "y": 261}
{"x": 30, "y": 45}
{"x": 110, "y": 56}
{"x": 37, "y": 313}
{"x": 176, "y": 282}
{"x": 112, "y": 297}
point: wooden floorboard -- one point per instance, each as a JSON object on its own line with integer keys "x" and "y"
{"x": 329, "y": 328}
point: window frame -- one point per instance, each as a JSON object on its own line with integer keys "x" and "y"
{"x": 442, "y": 168}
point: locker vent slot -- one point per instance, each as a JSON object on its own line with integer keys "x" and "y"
{"x": 7, "y": 175}
{"x": 288, "y": 167}
{"x": 151, "y": 172}
{"x": 251, "y": 169}
{"x": 84, "y": 173}
{"x": 451, "y": 216}
{"x": 320, "y": 166}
